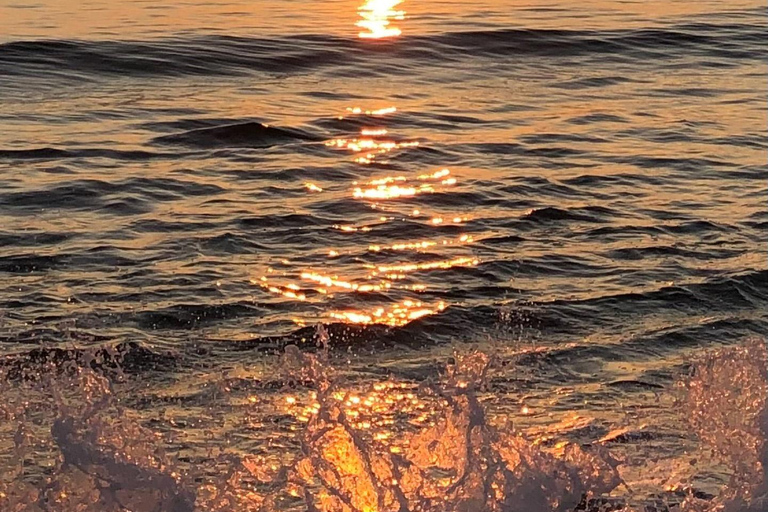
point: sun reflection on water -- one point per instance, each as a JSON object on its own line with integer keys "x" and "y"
{"x": 396, "y": 315}
{"x": 348, "y": 228}
{"x": 369, "y": 144}
{"x": 389, "y": 187}
{"x": 372, "y": 409}
{"x": 360, "y": 267}
{"x": 422, "y": 245}
{"x": 373, "y": 132}
{"x": 427, "y": 265}
{"x": 376, "y": 113}
{"x": 376, "y": 16}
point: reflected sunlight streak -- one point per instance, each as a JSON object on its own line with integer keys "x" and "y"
{"x": 376, "y": 16}
{"x": 425, "y": 244}
{"x": 428, "y": 265}
{"x": 382, "y": 188}
{"x": 369, "y": 145}
{"x": 395, "y": 316}
{"x": 376, "y": 113}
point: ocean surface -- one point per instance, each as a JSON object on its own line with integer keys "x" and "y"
{"x": 575, "y": 189}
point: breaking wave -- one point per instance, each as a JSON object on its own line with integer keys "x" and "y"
{"x": 71, "y": 443}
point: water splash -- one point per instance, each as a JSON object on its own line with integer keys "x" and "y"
{"x": 458, "y": 462}
{"x": 725, "y": 401}
{"x": 102, "y": 458}
{"x": 69, "y": 443}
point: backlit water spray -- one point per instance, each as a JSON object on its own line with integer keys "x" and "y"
{"x": 70, "y": 444}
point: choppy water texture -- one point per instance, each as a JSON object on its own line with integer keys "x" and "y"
{"x": 576, "y": 190}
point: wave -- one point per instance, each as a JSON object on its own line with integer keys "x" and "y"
{"x": 716, "y": 40}
{"x": 32, "y": 239}
{"x": 125, "y": 197}
{"x": 731, "y": 297}
{"x": 558, "y": 320}
{"x": 189, "y": 316}
{"x": 168, "y": 57}
{"x": 734, "y": 302}
{"x": 59, "y": 154}
{"x": 220, "y": 55}
{"x": 248, "y": 134}
{"x": 592, "y": 214}
{"x": 199, "y": 135}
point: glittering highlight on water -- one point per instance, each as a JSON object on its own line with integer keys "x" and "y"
{"x": 376, "y": 16}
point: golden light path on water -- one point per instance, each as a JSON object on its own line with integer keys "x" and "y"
{"x": 376, "y": 16}
{"x": 391, "y": 286}
{"x": 377, "y": 112}
{"x": 369, "y": 145}
{"x": 396, "y": 315}
{"x": 450, "y": 454}
{"x": 397, "y": 270}
{"x": 425, "y": 244}
{"x": 393, "y": 187}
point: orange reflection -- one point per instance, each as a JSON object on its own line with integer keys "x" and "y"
{"x": 334, "y": 281}
{"x": 387, "y": 180}
{"x": 428, "y": 265}
{"x": 395, "y": 316}
{"x": 347, "y": 228}
{"x": 382, "y": 188}
{"x": 424, "y": 244}
{"x": 380, "y": 279}
{"x": 437, "y": 221}
{"x": 369, "y": 145}
{"x": 378, "y": 112}
{"x": 435, "y": 175}
{"x": 290, "y": 291}
{"x": 373, "y": 132}
{"x": 390, "y": 192}
{"x": 372, "y": 408}
{"x": 376, "y": 16}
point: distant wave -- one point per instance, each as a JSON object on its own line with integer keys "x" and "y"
{"x": 220, "y": 55}
{"x": 195, "y": 135}
{"x": 714, "y": 39}
{"x": 163, "y": 57}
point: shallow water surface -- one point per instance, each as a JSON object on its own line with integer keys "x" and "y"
{"x": 576, "y": 189}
